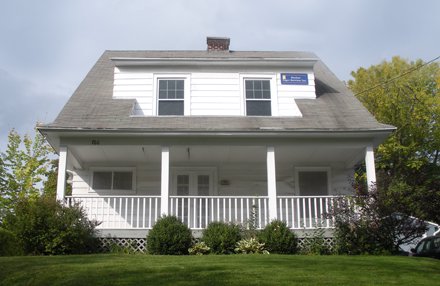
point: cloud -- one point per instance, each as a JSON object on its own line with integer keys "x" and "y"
{"x": 24, "y": 104}
{"x": 48, "y": 46}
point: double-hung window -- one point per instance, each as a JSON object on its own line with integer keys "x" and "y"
{"x": 113, "y": 180}
{"x": 258, "y": 102}
{"x": 171, "y": 97}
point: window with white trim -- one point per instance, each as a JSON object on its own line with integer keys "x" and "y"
{"x": 110, "y": 180}
{"x": 171, "y": 94}
{"x": 258, "y": 97}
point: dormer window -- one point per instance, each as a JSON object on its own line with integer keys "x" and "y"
{"x": 258, "y": 96}
{"x": 171, "y": 97}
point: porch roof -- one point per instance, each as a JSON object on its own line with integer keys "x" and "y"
{"x": 92, "y": 107}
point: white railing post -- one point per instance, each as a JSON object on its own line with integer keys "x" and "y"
{"x": 271, "y": 182}
{"x": 61, "y": 180}
{"x": 370, "y": 167}
{"x": 165, "y": 178}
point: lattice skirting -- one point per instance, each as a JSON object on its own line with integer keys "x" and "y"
{"x": 305, "y": 242}
{"x": 131, "y": 245}
{"x": 139, "y": 245}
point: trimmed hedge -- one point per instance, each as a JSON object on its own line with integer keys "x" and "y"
{"x": 169, "y": 236}
{"x": 222, "y": 237}
{"x": 278, "y": 238}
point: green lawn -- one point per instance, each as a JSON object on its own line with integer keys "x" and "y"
{"x": 119, "y": 269}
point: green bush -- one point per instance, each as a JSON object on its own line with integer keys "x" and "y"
{"x": 250, "y": 246}
{"x": 44, "y": 226}
{"x": 221, "y": 237}
{"x": 200, "y": 248}
{"x": 8, "y": 243}
{"x": 169, "y": 236}
{"x": 278, "y": 238}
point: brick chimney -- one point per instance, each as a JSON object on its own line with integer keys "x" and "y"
{"x": 216, "y": 44}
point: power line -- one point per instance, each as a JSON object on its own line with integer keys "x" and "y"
{"x": 398, "y": 76}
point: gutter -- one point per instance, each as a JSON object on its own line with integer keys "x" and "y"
{"x": 261, "y": 132}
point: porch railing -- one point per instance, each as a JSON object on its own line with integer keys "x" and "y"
{"x": 198, "y": 211}
{"x": 120, "y": 212}
{"x": 141, "y": 212}
{"x": 308, "y": 212}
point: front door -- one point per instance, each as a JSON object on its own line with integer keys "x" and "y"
{"x": 192, "y": 188}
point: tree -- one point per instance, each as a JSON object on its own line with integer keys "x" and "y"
{"x": 406, "y": 94}
{"x": 50, "y": 185}
{"x": 24, "y": 166}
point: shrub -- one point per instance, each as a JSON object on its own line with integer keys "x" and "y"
{"x": 221, "y": 237}
{"x": 199, "y": 248}
{"x": 8, "y": 243}
{"x": 249, "y": 246}
{"x": 278, "y": 238}
{"x": 45, "y": 226}
{"x": 169, "y": 236}
{"x": 366, "y": 224}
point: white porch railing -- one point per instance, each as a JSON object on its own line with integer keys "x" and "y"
{"x": 307, "y": 212}
{"x": 120, "y": 212}
{"x": 198, "y": 211}
{"x": 141, "y": 212}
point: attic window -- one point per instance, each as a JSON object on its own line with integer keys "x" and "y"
{"x": 258, "y": 97}
{"x": 171, "y": 97}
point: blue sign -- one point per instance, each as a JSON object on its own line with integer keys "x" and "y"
{"x": 294, "y": 78}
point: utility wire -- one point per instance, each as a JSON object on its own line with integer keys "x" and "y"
{"x": 398, "y": 76}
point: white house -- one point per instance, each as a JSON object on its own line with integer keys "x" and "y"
{"x": 215, "y": 135}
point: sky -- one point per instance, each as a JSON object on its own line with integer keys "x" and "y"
{"x": 48, "y": 46}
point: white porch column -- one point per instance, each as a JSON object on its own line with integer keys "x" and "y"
{"x": 370, "y": 167}
{"x": 61, "y": 180}
{"x": 165, "y": 179}
{"x": 271, "y": 182}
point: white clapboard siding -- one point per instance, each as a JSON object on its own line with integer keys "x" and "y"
{"x": 210, "y": 93}
{"x": 243, "y": 179}
{"x": 80, "y": 182}
{"x": 133, "y": 84}
{"x": 216, "y": 87}
{"x": 215, "y": 94}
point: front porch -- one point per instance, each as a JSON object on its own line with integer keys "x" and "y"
{"x": 141, "y": 212}
{"x": 126, "y": 184}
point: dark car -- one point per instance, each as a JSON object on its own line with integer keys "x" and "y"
{"x": 428, "y": 247}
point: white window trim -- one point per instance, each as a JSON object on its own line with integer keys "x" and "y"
{"x": 272, "y": 77}
{"x": 113, "y": 191}
{"x": 212, "y": 171}
{"x": 186, "y": 93}
{"x": 312, "y": 169}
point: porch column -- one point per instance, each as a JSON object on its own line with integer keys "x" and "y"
{"x": 371, "y": 169}
{"x": 61, "y": 180}
{"x": 165, "y": 179}
{"x": 271, "y": 182}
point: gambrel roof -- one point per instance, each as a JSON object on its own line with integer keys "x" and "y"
{"x": 91, "y": 107}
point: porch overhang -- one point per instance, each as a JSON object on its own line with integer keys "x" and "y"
{"x": 57, "y": 136}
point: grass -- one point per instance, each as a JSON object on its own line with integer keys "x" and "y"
{"x": 120, "y": 269}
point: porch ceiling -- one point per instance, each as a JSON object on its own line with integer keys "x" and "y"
{"x": 301, "y": 154}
